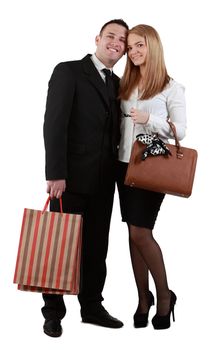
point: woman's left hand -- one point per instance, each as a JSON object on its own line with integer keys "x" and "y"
{"x": 139, "y": 116}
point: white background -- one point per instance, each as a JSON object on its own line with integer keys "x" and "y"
{"x": 35, "y": 36}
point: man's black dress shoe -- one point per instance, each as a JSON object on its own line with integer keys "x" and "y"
{"x": 53, "y": 328}
{"x": 101, "y": 317}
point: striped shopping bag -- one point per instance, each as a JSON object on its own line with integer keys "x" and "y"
{"x": 49, "y": 252}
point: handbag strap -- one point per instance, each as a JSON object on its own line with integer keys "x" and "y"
{"x": 179, "y": 151}
{"x": 47, "y": 203}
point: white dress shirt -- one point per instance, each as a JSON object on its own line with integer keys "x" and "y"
{"x": 99, "y": 66}
{"x": 168, "y": 103}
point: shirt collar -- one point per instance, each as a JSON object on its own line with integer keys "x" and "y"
{"x": 98, "y": 64}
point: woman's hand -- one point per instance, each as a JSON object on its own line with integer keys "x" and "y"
{"x": 139, "y": 116}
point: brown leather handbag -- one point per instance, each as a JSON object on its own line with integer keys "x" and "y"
{"x": 172, "y": 173}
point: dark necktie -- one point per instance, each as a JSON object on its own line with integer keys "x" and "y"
{"x": 112, "y": 126}
{"x": 109, "y": 83}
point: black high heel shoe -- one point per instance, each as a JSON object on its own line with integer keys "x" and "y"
{"x": 163, "y": 322}
{"x": 141, "y": 319}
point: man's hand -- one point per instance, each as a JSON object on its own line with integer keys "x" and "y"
{"x": 56, "y": 187}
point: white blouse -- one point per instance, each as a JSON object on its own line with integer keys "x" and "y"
{"x": 168, "y": 103}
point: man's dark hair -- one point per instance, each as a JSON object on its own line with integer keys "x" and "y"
{"x": 116, "y": 21}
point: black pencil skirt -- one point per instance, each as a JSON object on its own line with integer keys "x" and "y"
{"x": 138, "y": 207}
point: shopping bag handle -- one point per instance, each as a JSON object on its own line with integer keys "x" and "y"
{"x": 47, "y": 203}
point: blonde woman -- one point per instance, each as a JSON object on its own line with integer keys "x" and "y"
{"x": 148, "y": 96}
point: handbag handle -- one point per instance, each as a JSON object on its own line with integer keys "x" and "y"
{"x": 47, "y": 203}
{"x": 179, "y": 152}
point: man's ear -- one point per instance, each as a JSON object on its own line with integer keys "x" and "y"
{"x": 97, "y": 39}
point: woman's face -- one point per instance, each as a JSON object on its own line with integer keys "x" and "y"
{"x": 136, "y": 49}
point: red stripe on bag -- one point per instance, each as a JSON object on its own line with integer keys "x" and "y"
{"x": 75, "y": 276}
{"x": 49, "y": 240}
{"x": 55, "y": 250}
{"x": 31, "y": 261}
{"x": 66, "y": 283}
{"x": 61, "y": 257}
{"x": 20, "y": 244}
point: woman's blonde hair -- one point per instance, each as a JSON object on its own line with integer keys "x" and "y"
{"x": 156, "y": 77}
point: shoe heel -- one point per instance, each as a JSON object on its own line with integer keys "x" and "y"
{"x": 163, "y": 322}
{"x": 151, "y": 299}
{"x": 173, "y": 315}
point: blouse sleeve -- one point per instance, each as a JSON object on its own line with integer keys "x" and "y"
{"x": 176, "y": 109}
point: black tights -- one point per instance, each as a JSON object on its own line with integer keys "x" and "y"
{"x": 146, "y": 256}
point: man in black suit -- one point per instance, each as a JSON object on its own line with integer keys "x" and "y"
{"x": 81, "y": 134}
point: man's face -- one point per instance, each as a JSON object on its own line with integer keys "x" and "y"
{"x": 111, "y": 44}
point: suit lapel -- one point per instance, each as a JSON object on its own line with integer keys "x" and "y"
{"x": 94, "y": 78}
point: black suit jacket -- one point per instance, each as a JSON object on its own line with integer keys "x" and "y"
{"x": 75, "y": 127}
